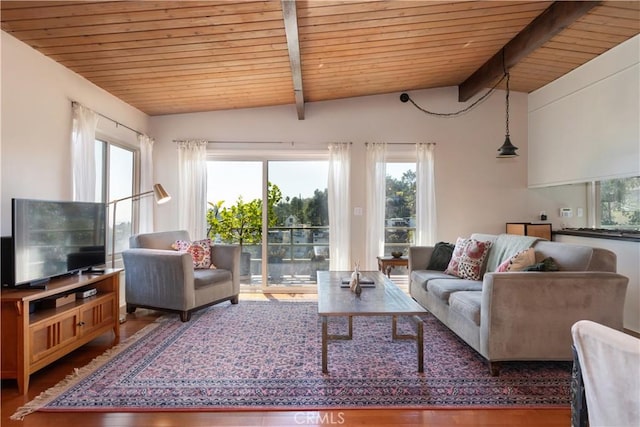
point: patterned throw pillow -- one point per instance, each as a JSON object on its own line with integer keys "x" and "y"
{"x": 454, "y": 268}
{"x": 467, "y": 261}
{"x": 519, "y": 261}
{"x": 200, "y": 251}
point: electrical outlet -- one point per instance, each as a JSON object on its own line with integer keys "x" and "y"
{"x": 580, "y": 212}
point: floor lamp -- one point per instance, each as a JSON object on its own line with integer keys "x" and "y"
{"x": 161, "y": 196}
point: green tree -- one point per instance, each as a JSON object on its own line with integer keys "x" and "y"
{"x": 242, "y": 222}
{"x": 619, "y": 204}
{"x": 317, "y": 209}
{"x": 401, "y": 195}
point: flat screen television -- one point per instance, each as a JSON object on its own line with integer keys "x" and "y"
{"x": 53, "y": 238}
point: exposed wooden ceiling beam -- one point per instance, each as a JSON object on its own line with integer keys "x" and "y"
{"x": 557, "y": 17}
{"x": 293, "y": 44}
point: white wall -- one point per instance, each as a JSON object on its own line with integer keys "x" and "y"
{"x": 551, "y": 199}
{"x": 36, "y": 124}
{"x": 475, "y": 191}
{"x": 586, "y": 125}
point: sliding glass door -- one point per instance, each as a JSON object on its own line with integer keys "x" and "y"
{"x": 234, "y": 194}
{"x": 298, "y": 226}
{"x": 277, "y": 211}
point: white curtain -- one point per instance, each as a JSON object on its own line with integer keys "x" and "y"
{"x": 146, "y": 183}
{"x": 192, "y": 187}
{"x": 339, "y": 207}
{"x": 83, "y": 162}
{"x": 426, "y": 224}
{"x": 376, "y": 174}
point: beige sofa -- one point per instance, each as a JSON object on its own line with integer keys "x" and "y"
{"x": 159, "y": 277}
{"x": 523, "y": 315}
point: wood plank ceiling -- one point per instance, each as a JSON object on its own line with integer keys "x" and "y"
{"x": 167, "y": 57}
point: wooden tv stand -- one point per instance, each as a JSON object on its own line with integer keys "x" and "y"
{"x": 32, "y": 340}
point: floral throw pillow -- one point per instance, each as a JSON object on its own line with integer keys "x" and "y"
{"x": 454, "y": 263}
{"x": 467, "y": 261}
{"x": 519, "y": 261}
{"x": 200, "y": 251}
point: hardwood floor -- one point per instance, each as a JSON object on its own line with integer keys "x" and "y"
{"x": 55, "y": 372}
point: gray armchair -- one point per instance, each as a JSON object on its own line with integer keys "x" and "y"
{"x": 158, "y": 277}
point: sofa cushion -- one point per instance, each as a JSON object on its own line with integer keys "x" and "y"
{"x": 443, "y": 288}
{"x": 468, "y": 258}
{"x": 440, "y": 256}
{"x": 200, "y": 251}
{"x": 519, "y": 261}
{"x": 467, "y": 304}
{"x": 207, "y": 277}
{"x": 421, "y": 277}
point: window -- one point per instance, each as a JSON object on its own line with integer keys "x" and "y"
{"x": 400, "y": 211}
{"x": 298, "y": 239}
{"x": 618, "y": 203}
{"x": 115, "y": 179}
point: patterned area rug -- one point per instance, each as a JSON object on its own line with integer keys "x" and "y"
{"x": 267, "y": 355}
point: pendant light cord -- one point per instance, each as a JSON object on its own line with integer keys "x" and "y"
{"x": 405, "y": 97}
{"x": 507, "y": 104}
{"x": 507, "y": 75}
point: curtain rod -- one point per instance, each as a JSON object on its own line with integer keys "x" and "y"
{"x": 402, "y": 143}
{"x": 231, "y": 142}
{"x": 110, "y": 119}
{"x": 253, "y": 142}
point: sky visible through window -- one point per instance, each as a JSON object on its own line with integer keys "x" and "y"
{"x": 228, "y": 179}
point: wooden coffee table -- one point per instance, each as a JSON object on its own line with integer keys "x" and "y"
{"x": 385, "y": 299}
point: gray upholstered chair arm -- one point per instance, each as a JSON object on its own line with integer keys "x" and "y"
{"x": 156, "y": 277}
{"x": 419, "y": 257}
{"x": 529, "y": 313}
{"x": 225, "y": 256}
{"x": 228, "y": 257}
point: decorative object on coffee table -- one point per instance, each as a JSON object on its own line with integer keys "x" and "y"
{"x": 355, "y": 281}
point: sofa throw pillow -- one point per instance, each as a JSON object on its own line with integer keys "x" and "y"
{"x": 468, "y": 259}
{"x": 440, "y": 256}
{"x": 547, "y": 264}
{"x": 519, "y": 261}
{"x": 453, "y": 267}
{"x": 200, "y": 251}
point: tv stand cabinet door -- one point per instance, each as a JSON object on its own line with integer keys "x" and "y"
{"x": 52, "y": 334}
{"x": 97, "y": 315}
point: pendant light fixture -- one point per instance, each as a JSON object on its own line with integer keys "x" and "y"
{"x": 508, "y": 149}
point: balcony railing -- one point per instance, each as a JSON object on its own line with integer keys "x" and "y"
{"x": 295, "y": 254}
